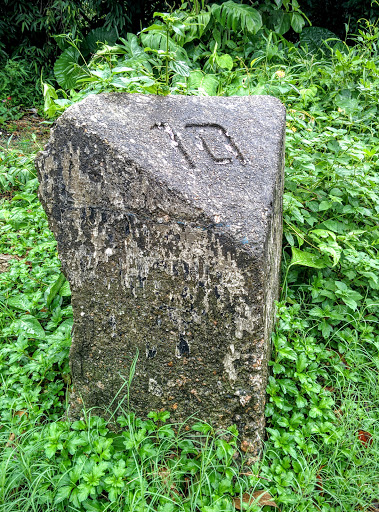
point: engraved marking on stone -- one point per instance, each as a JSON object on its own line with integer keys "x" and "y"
{"x": 201, "y": 129}
{"x": 175, "y": 141}
{"x": 231, "y": 146}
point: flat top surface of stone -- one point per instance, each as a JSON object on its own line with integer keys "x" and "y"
{"x": 221, "y": 154}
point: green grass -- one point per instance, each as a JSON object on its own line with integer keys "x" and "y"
{"x": 321, "y": 452}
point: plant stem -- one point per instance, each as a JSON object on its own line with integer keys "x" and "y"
{"x": 167, "y": 49}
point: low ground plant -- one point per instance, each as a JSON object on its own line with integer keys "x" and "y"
{"x": 322, "y": 448}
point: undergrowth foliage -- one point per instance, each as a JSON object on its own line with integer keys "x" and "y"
{"x": 322, "y": 450}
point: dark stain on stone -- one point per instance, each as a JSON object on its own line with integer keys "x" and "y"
{"x": 92, "y": 215}
{"x": 104, "y": 217}
{"x": 56, "y": 213}
{"x": 150, "y": 352}
{"x": 182, "y": 346}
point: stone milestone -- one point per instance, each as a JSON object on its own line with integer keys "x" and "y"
{"x": 168, "y": 217}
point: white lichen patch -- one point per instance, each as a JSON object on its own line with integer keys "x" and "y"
{"x": 228, "y": 361}
{"x": 154, "y": 388}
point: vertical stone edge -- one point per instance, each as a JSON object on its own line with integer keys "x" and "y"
{"x": 274, "y": 252}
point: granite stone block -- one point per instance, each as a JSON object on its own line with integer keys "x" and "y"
{"x": 168, "y": 217}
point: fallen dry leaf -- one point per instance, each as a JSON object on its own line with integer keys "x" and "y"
{"x": 10, "y": 440}
{"x": 319, "y": 483}
{"x": 261, "y": 498}
{"x": 21, "y": 413}
{"x": 365, "y": 438}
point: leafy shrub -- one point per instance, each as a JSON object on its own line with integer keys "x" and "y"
{"x": 190, "y": 47}
{"x": 336, "y": 16}
{"x": 150, "y": 465}
{"x": 18, "y": 82}
{"x": 16, "y": 170}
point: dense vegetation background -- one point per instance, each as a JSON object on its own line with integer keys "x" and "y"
{"x": 322, "y": 448}
{"x": 29, "y": 44}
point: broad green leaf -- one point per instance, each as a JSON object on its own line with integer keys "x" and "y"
{"x": 317, "y": 312}
{"x": 30, "y": 198}
{"x": 50, "y": 450}
{"x": 297, "y": 22}
{"x": 323, "y": 233}
{"x": 64, "y": 290}
{"x": 217, "y": 36}
{"x": 95, "y": 506}
{"x": 282, "y": 22}
{"x": 53, "y": 290}
{"x": 62, "y": 331}
{"x": 258, "y": 90}
{"x": 180, "y": 67}
{"x": 314, "y": 39}
{"x": 324, "y": 205}
{"x": 122, "y": 69}
{"x": 287, "y": 353}
{"x": 306, "y": 259}
{"x": 83, "y": 491}
{"x": 335, "y": 226}
{"x": 225, "y": 61}
{"x": 63, "y": 102}
{"x": 204, "y": 428}
{"x": 237, "y": 17}
{"x": 167, "y": 507}
{"x": 103, "y": 74}
{"x": 20, "y": 302}
{"x": 301, "y": 363}
{"x": 309, "y": 93}
{"x": 195, "y": 26}
{"x": 62, "y": 493}
{"x": 100, "y": 35}
{"x": 67, "y": 69}
{"x": 301, "y": 402}
{"x": 120, "y": 82}
{"x": 326, "y": 328}
{"x": 30, "y": 326}
{"x": 225, "y": 486}
{"x": 155, "y": 27}
{"x": 49, "y": 95}
{"x": 205, "y": 84}
{"x": 178, "y": 28}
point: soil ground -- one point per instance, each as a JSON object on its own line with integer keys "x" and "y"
{"x": 24, "y": 133}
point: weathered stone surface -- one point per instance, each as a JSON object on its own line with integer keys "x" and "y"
{"x": 167, "y": 212}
